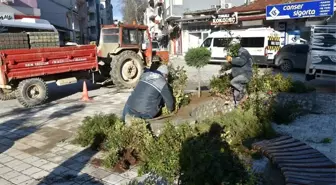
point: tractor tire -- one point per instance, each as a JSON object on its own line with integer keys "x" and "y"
{"x": 7, "y": 94}
{"x": 126, "y": 69}
{"x": 32, "y": 92}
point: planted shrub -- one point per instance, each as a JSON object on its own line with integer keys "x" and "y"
{"x": 233, "y": 49}
{"x": 177, "y": 80}
{"x": 163, "y": 156}
{"x": 94, "y": 130}
{"x": 220, "y": 85}
{"x": 132, "y": 141}
{"x": 198, "y": 58}
{"x": 286, "y": 113}
{"x": 300, "y": 87}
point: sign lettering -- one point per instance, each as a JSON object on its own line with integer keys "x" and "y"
{"x": 317, "y": 8}
{"x": 225, "y": 19}
{"x": 6, "y": 16}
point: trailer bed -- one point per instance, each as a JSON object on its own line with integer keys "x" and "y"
{"x": 28, "y": 63}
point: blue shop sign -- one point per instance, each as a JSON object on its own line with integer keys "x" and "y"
{"x": 300, "y": 10}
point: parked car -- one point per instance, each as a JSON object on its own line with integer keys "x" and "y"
{"x": 292, "y": 56}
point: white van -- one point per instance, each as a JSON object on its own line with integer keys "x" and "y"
{"x": 262, "y": 43}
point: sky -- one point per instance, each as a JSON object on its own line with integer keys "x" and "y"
{"x": 116, "y": 9}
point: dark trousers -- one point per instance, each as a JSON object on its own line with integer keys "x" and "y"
{"x": 239, "y": 87}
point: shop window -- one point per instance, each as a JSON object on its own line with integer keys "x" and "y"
{"x": 221, "y": 42}
{"x": 253, "y": 42}
{"x": 207, "y": 43}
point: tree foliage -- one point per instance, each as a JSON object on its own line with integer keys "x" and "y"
{"x": 133, "y": 10}
{"x": 198, "y": 57}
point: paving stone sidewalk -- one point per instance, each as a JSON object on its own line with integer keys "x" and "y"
{"x": 34, "y": 150}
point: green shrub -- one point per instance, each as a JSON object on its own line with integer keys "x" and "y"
{"x": 220, "y": 84}
{"x": 208, "y": 159}
{"x": 197, "y": 57}
{"x": 233, "y": 49}
{"x": 300, "y": 87}
{"x": 269, "y": 83}
{"x": 163, "y": 156}
{"x": 136, "y": 138}
{"x": 177, "y": 80}
{"x": 286, "y": 113}
{"x": 94, "y": 130}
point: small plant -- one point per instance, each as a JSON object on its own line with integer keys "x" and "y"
{"x": 326, "y": 140}
{"x": 220, "y": 85}
{"x": 198, "y": 58}
{"x": 94, "y": 130}
{"x": 177, "y": 80}
{"x": 233, "y": 49}
{"x": 286, "y": 113}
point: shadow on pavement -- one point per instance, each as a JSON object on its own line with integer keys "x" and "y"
{"x": 62, "y": 174}
{"x": 23, "y": 125}
{"x": 59, "y": 92}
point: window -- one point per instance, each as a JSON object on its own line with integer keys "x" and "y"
{"x": 141, "y": 36}
{"x": 221, "y": 42}
{"x": 207, "y": 43}
{"x": 252, "y": 42}
{"x": 110, "y": 35}
{"x": 93, "y": 30}
{"x": 129, "y": 36}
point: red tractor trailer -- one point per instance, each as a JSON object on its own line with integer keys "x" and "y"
{"x": 121, "y": 57}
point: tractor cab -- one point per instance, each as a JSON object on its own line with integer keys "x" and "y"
{"x": 117, "y": 38}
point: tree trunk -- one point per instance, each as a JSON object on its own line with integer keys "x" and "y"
{"x": 199, "y": 82}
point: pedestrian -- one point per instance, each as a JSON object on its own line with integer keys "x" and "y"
{"x": 150, "y": 95}
{"x": 241, "y": 71}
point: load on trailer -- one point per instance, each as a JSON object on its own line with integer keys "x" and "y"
{"x": 123, "y": 52}
{"x": 321, "y": 62}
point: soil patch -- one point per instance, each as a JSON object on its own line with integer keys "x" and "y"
{"x": 195, "y": 101}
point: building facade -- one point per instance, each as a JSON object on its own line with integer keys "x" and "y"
{"x": 68, "y": 16}
{"x": 11, "y": 9}
{"x": 153, "y": 18}
{"x": 106, "y": 12}
{"x": 93, "y": 19}
{"x": 194, "y": 22}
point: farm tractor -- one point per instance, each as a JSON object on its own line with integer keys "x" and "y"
{"x": 124, "y": 51}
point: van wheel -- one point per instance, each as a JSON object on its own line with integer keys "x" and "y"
{"x": 286, "y": 66}
{"x": 6, "y": 94}
{"x": 32, "y": 92}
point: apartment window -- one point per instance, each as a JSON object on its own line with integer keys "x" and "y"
{"x": 177, "y": 2}
{"x": 92, "y": 17}
{"x": 93, "y": 30}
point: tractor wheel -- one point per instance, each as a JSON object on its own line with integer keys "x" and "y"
{"x": 6, "y": 94}
{"x": 32, "y": 92}
{"x": 127, "y": 67}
